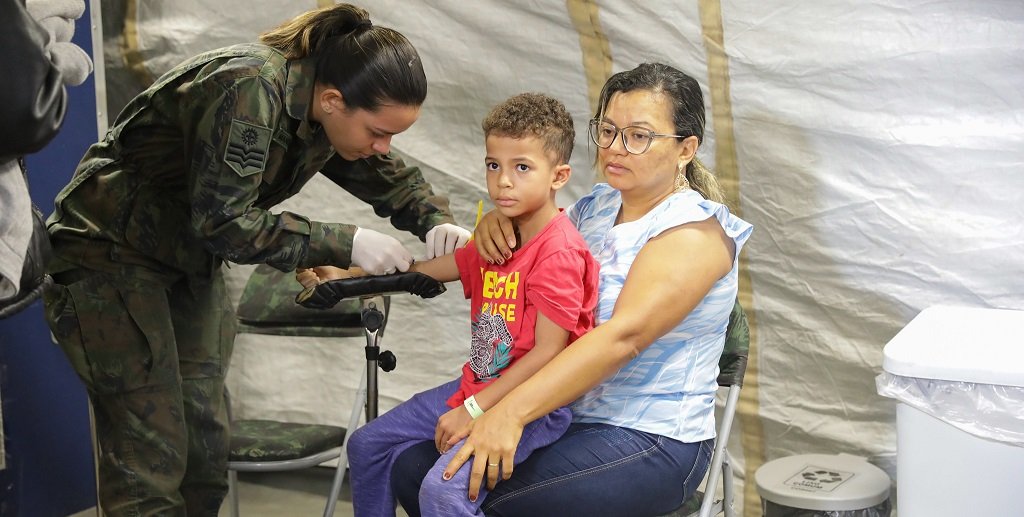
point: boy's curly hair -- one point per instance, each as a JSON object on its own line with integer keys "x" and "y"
{"x": 536, "y": 115}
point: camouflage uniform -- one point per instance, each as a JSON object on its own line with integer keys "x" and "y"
{"x": 185, "y": 179}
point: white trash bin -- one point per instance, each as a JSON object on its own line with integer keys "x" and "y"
{"x": 823, "y": 485}
{"x": 958, "y": 374}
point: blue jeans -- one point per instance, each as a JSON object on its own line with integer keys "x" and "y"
{"x": 594, "y": 470}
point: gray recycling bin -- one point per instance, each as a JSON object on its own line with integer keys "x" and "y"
{"x": 823, "y": 485}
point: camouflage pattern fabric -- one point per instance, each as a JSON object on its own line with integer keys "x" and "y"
{"x": 153, "y": 358}
{"x": 733, "y": 363}
{"x": 187, "y": 174}
{"x": 183, "y": 180}
{"x": 268, "y": 440}
{"x": 268, "y": 304}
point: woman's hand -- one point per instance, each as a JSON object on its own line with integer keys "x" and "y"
{"x": 495, "y": 237}
{"x": 452, "y": 427}
{"x": 492, "y": 443}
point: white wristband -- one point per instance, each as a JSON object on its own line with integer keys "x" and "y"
{"x": 474, "y": 409}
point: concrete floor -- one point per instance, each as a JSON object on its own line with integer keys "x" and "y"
{"x": 286, "y": 494}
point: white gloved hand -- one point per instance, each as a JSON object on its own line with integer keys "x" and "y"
{"x": 446, "y": 238}
{"x": 379, "y": 254}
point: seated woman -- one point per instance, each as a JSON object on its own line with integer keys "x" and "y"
{"x": 642, "y": 383}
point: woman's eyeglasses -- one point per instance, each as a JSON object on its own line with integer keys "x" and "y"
{"x": 636, "y": 140}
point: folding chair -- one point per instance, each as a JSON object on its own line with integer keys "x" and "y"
{"x": 732, "y": 366}
{"x": 268, "y": 307}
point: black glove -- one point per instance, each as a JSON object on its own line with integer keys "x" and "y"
{"x": 328, "y": 294}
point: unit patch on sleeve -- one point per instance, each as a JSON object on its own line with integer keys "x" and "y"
{"x": 247, "y": 148}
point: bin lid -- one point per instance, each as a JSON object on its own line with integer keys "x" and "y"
{"x": 823, "y": 482}
{"x": 966, "y": 344}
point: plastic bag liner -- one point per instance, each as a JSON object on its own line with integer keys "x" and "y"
{"x": 988, "y": 411}
{"x": 770, "y": 509}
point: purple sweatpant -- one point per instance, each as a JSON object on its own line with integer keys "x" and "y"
{"x": 372, "y": 450}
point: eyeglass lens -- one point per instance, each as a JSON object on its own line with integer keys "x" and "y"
{"x": 636, "y": 140}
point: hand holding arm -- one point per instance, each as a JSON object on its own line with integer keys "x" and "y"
{"x": 379, "y": 254}
{"x": 445, "y": 238}
{"x": 494, "y": 237}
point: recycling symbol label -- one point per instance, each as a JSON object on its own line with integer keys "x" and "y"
{"x": 818, "y": 479}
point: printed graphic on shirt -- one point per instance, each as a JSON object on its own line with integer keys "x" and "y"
{"x": 246, "y": 152}
{"x": 491, "y": 348}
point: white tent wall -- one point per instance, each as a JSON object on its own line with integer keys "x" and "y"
{"x": 876, "y": 147}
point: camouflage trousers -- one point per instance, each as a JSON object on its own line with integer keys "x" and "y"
{"x": 153, "y": 356}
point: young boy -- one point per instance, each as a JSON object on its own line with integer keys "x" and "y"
{"x": 524, "y": 312}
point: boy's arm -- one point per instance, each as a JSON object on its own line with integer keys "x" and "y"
{"x": 442, "y": 269}
{"x": 550, "y": 339}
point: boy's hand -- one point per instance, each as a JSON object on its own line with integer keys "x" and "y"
{"x": 317, "y": 275}
{"x": 452, "y": 427}
{"x": 306, "y": 277}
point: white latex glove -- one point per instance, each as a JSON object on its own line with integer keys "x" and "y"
{"x": 379, "y": 254}
{"x": 446, "y": 238}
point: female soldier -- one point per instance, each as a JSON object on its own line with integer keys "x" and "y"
{"x": 183, "y": 181}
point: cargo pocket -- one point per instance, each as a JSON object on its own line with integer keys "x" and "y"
{"x": 205, "y": 322}
{"x": 124, "y": 335}
{"x": 62, "y": 319}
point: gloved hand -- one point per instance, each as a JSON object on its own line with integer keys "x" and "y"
{"x": 379, "y": 254}
{"x": 329, "y": 293}
{"x": 446, "y": 238}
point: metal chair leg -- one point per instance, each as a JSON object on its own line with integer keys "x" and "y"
{"x": 728, "y": 495}
{"x": 339, "y": 473}
{"x": 233, "y": 491}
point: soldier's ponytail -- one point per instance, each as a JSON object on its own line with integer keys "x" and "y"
{"x": 370, "y": 65}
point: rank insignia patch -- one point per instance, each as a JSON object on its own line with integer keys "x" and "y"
{"x": 247, "y": 148}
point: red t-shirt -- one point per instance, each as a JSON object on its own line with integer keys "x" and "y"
{"x": 553, "y": 273}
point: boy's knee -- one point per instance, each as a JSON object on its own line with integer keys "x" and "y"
{"x": 440, "y": 497}
{"x": 434, "y": 486}
{"x": 358, "y": 446}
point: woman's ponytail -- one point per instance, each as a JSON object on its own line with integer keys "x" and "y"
{"x": 703, "y": 181}
{"x": 308, "y": 33}
{"x": 370, "y": 65}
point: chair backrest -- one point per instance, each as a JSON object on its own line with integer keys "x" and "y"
{"x": 733, "y": 363}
